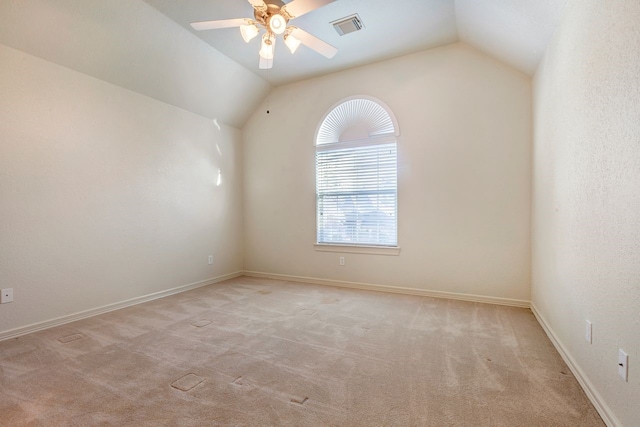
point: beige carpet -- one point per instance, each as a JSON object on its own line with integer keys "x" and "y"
{"x": 259, "y": 352}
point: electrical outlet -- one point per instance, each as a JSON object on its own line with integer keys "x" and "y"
{"x": 588, "y": 332}
{"x": 210, "y": 259}
{"x": 341, "y": 260}
{"x": 6, "y": 295}
{"x": 623, "y": 364}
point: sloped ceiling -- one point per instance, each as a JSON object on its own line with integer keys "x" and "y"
{"x": 513, "y": 31}
{"x": 390, "y": 31}
{"x": 149, "y": 47}
{"x": 132, "y": 45}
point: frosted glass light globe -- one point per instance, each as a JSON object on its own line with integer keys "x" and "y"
{"x": 277, "y": 23}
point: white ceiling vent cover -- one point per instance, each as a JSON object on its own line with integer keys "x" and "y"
{"x": 348, "y": 25}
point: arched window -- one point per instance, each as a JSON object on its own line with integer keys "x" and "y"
{"x": 356, "y": 175}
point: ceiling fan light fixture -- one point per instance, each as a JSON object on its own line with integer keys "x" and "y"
{"x": 291, "y": 42}
{"x": 273, "y": 16}
{"x": 277, "y": 23}
{"x": 249, "y": 32}
{"x": 266, "y": 49}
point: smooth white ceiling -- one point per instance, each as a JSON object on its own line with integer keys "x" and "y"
{"x": 513, "y": 31}
{"x": 130, "y": 44}
{"x": 150, "y": 48}
{"x": 390, "y": 31}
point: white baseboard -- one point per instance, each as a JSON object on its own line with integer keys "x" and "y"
{"x": 392, "y": 289}
{"x": 603, "y": 409}
{"x": 12, "y": 333}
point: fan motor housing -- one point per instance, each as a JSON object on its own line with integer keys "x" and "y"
{"x": 273, "y": 7}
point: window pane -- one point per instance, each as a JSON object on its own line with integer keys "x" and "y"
{"x": 356, "y": 190}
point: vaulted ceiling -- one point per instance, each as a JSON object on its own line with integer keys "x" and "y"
{"x": 513, "y": 31}
{"x": 149, "y": 47}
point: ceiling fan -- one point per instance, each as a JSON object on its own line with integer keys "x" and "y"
{"x": 273, "y": 16}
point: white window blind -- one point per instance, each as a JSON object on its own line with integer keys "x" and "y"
{"x": 356, "y": 191}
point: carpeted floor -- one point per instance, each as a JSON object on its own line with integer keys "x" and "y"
{"x": 258, "y": 352}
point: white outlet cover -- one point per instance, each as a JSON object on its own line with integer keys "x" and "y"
{"x": 210, "y": 259}
{"x": 6, "y": 296}
{"x": 623, "y": 365}
{"x": 588, "y": 332}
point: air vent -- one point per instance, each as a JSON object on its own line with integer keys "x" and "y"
{"x": 348, "y": 25}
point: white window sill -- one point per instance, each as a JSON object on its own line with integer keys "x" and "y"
{"x": 352, "y": 249}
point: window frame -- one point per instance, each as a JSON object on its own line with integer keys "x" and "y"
{"x": 386, "y": 138}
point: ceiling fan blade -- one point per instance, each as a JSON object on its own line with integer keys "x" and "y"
{"x": 265, "y": 64}
{"x": 258, "y": 4}
{"x": 214, "y": 25}
{"x": 300, "y": 7}
{"x": 311, "y": 41}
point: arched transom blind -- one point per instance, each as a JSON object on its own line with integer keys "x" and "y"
{"x": 356, "y": 176}
{"x": 355, "y": 119}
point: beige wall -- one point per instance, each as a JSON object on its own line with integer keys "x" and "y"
{"x": 464, "y": 175}
{"x": 586, "y": 197}
{"x": 106, "y": 194}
